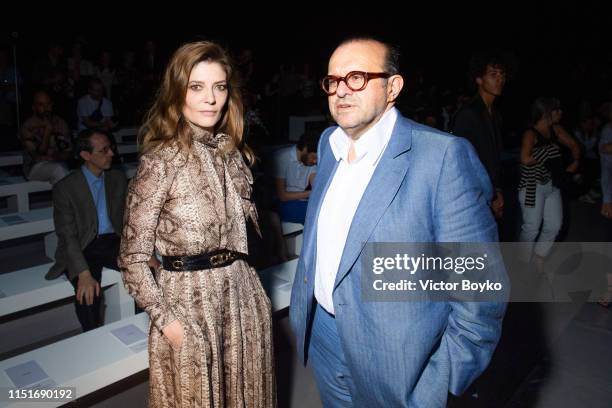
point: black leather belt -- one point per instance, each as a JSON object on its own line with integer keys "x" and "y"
{"x": 214, "y": 259}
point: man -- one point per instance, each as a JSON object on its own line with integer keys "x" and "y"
{"x": 480, "y": 123}
{"x": 88, "y": 215}
{"x": 94, "y": 111}
{"x": 46, "y": 141}
{"x": 384, "y": 178}
{"x": 295, "y": 169}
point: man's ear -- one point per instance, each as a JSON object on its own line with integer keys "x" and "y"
{"x": 85, "y": 155}
{"x": 478, "y": 81}
{"x": 396, "y": 83}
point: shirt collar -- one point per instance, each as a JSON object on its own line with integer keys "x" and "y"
{"x": 89, "y": 176}
{"x": 370, "y": 145}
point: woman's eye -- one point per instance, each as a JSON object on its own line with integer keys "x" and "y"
{"x": 222, "y": 87}
{"x": 195, "y": 87}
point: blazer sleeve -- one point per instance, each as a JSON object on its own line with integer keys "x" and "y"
{"x": 69, "y": 247}
{"x": 462, "y": 215}
{"x": 146, "y": 196}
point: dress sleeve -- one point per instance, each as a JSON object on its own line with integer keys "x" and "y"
{"x": 146, "y": 196}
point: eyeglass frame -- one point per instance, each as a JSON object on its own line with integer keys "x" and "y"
{"x": 366, "y": 75}
{"x": 104, "y": 150}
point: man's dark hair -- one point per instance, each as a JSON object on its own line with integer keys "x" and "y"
{"x": 84, "y": 139}
{"x": 392, "y": 57}
{"x": 482, "y": 59}
{"x": 310, "y": 139}
{"x": 543, "y": 106}
{"x": 95, "y": 81}
{"x": 41, "y": 91}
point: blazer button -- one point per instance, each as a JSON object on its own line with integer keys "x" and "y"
{"x": 305, "y": 280}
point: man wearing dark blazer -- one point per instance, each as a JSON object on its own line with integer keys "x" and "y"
{"x": 88, "y": 214}
{"x": 479, "y": 122}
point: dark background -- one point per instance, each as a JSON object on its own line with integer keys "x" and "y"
{"x": 561, "y": 49}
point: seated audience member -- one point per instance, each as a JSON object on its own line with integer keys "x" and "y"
{"x": 46, "y": 141}
{"x": 94, "y": 111}
{"x": 88, "y": 214}
{"x": 295, "y": 169}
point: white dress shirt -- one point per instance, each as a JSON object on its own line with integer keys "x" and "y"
{"x": 343, "y": 197}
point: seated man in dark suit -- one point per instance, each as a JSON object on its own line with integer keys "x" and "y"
{"x": 88, "y": 214}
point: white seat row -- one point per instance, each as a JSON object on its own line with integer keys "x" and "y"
{"x": 14, "y": 158}
{"x": 27, "y": 288}
{"x": 20, "y": 188}
{"x": 294, "y": 236}
{"x": 126, "y": 135}
{"x": 120, "y": 350}
{"x": 25, "y": 224}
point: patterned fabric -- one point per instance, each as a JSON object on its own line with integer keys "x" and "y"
{"x": 538, "y": 173}
{"x": 186, "y": 204}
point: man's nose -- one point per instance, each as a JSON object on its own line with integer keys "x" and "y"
{"x": 343, "y": 89}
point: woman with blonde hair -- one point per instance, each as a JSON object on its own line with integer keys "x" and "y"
{"x": 210, "y": 339}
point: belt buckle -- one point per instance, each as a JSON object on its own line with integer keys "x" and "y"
{"x": 178, "y": 264}
{"x": 219, "y": 259}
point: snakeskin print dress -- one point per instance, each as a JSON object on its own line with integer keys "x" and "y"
{"x": 187, "y": 204}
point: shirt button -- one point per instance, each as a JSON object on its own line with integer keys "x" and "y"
{"x": 305, "y": 280}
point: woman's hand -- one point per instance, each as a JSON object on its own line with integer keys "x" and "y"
{"x": 153, "y": 262}
{"x": 174, "y": 334}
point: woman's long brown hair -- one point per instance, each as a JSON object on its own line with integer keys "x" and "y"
{"x": 164, "y": 123}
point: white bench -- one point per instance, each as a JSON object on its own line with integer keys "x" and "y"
{"x": 34, "y": 310}
{"x": 21, "y": 189}
{"x": 278, "y": 281}
{"x": 88, "y": 362}
{"x": 11, "y": 159}
{"x": 122, "y": 134}
{"x": 110, "y": 359}
{"x": 28, "y": 288}
{"x": 25, "y": 224}
{"x": 294, "y": 236}
{"x": 127, "y": 148}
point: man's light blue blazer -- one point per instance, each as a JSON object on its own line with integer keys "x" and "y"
{"x": 428, "y": 187}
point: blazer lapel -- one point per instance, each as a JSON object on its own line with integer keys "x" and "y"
{"x": 108, "y": 194}
{"x": 83, "y": 190}
{"x": 382, "y": 188}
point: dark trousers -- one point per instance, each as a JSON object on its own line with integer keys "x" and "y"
{"x": 101, "y": 252}
{"x": 293, "y": 211}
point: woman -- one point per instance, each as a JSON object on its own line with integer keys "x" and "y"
{"x": 541, "y": 174}
{"x": 210, "y": 341}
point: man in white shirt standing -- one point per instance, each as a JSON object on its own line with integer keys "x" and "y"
{"x": 384, "y": 178}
